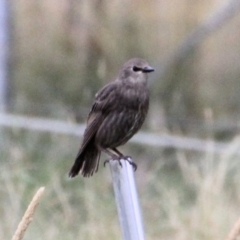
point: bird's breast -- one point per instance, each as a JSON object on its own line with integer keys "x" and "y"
{"x": 134, "y": 98}
{"x": 125, "y": 118}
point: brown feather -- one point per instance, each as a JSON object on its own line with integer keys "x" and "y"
{"x": 118, "y": 112}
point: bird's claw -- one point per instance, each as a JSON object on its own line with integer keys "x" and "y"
{"x": 129, "y": 160}
{"x": 126, "y": 158}
{"x": 108, "y": 160}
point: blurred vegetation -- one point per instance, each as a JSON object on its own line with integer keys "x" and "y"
{"x": 196, "y": 199}
{"x": 62, "y": 53}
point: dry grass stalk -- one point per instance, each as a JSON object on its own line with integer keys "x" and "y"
{"x": 235, "y": 231}
{"x": 28, "y": 216}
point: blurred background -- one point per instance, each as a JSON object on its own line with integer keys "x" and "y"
{"x": 59, "y": 53}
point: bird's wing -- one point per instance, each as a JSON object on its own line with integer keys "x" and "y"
{"x": 104, "y": 100}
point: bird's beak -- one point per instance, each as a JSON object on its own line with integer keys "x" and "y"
{"x": 148, "y": 69}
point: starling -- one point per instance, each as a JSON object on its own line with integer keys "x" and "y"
{"x": 118, "y": 112}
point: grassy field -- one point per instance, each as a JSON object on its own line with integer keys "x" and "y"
{"x": 61, "y": 54}
{"x": 183, "y": 195}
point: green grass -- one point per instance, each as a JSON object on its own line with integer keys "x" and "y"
{"x": 195, "y": 197}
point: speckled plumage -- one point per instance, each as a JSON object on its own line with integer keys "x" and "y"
{"x": 118, "y": 112}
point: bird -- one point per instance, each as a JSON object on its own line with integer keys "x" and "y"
{"x": 118, "y": 112}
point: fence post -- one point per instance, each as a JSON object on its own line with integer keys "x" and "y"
{"x": 127, "y": 200}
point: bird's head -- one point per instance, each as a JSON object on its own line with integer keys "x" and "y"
{"x": 135, "y": 71}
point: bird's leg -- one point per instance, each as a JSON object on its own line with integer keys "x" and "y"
{"x": 126, "y": 158}
{"x": 113, "y": 156}
{"x": 118, "y": 152}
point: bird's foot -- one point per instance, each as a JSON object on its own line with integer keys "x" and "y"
{"x": 108, "y": 160}
{"x": 125, "y": 158}
{"x": 129, "y": 160}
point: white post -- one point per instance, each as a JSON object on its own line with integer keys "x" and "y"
{"x": 127, "y": 200}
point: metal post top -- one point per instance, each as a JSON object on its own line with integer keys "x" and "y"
{"x": 127, "y": 200}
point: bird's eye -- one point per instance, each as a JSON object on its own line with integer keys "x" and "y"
{"x": 136, "y": 69}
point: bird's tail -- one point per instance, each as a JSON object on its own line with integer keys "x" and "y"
{"x": 87, "y": 161}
